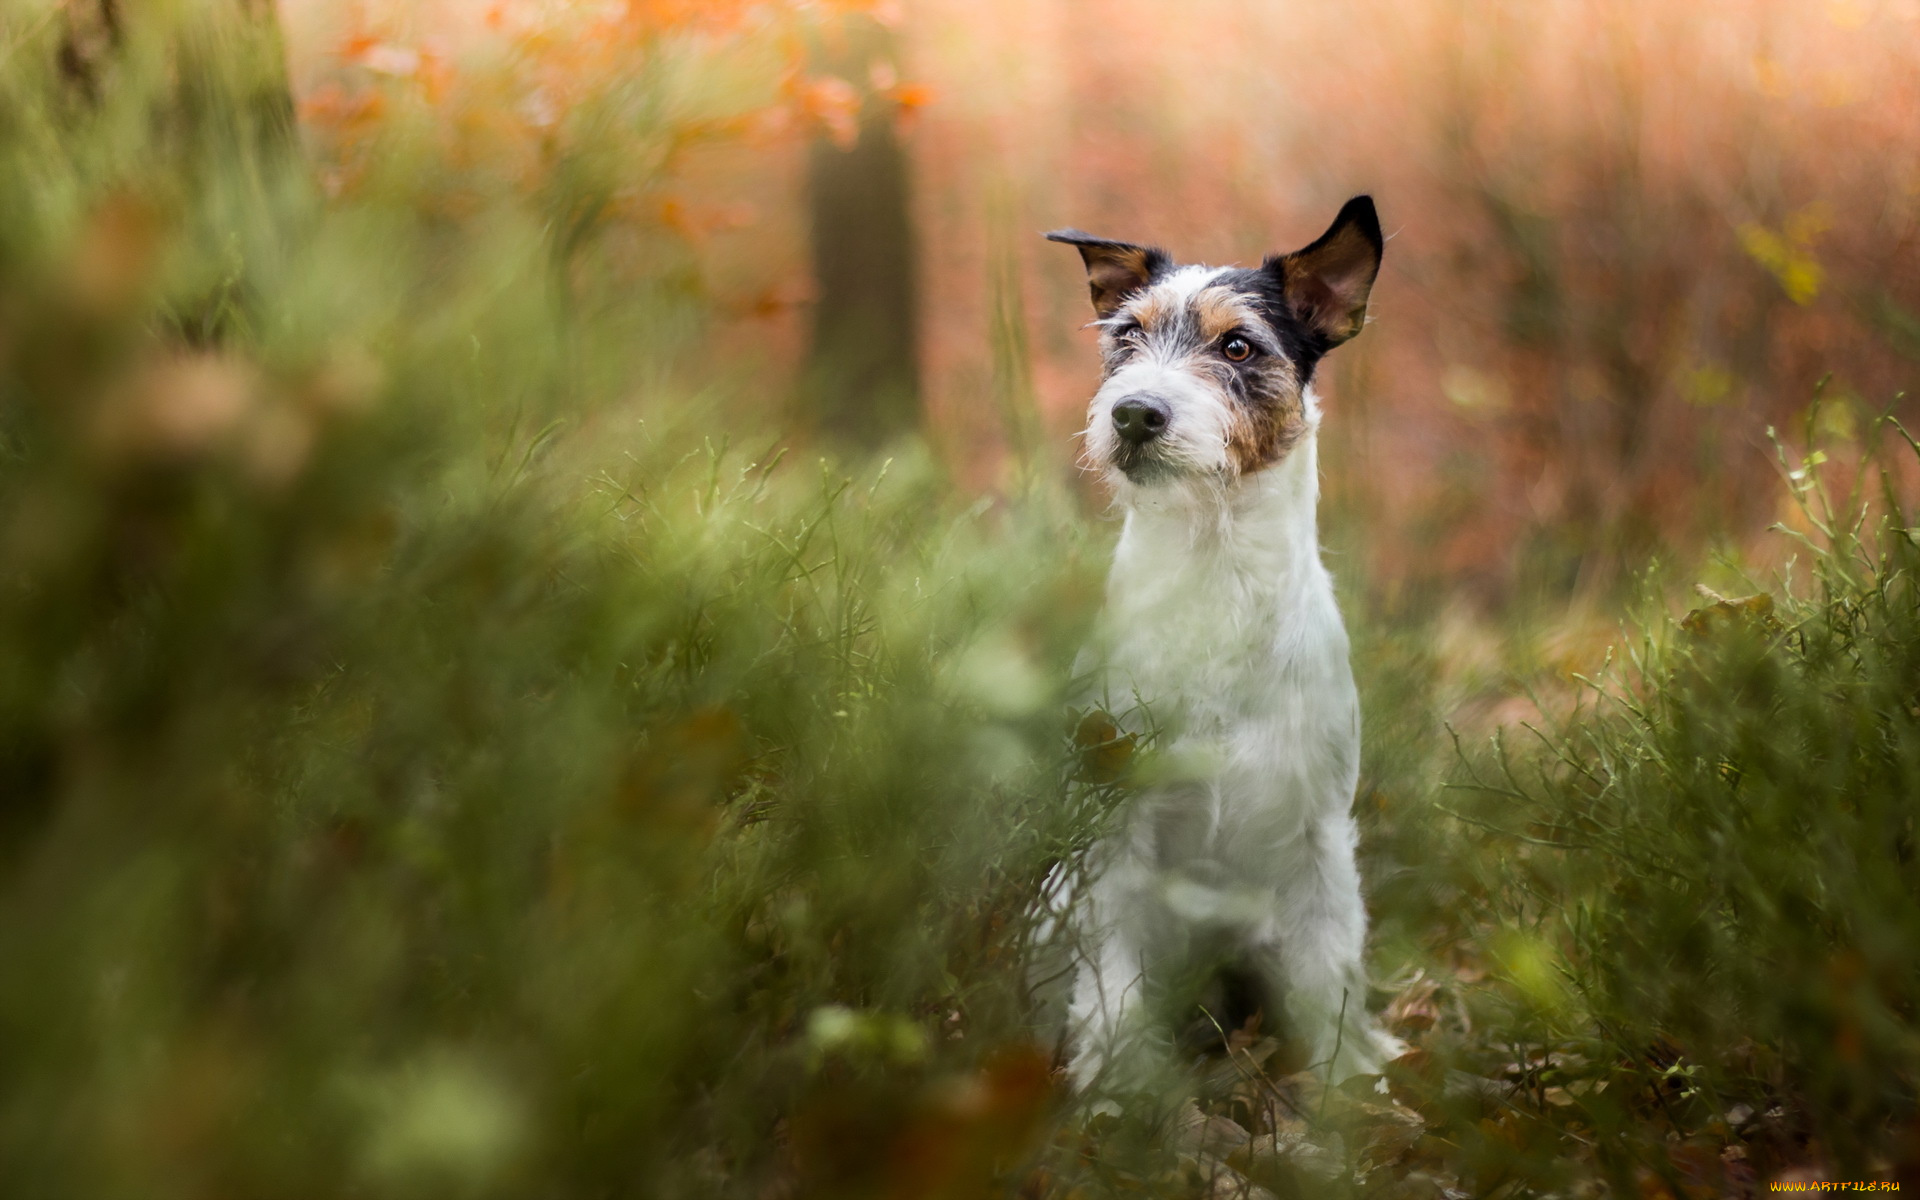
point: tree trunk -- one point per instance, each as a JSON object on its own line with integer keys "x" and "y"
{"x": 861, "y": 384}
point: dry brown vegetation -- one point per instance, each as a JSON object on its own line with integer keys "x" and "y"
{"x": 463, "y": 734}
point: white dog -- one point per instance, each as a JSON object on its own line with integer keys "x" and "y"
{"x": 1221, "y": 620}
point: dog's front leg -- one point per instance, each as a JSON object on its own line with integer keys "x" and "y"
{"x": 1313, "y": 954}
{"x": 1108, "y": 1025}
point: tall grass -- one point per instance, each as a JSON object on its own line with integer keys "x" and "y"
{"x": 433, "y": 762}
{"x": 1702, "y": 897}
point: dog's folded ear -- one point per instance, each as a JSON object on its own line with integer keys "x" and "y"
{"x": 1115, "y": 270}
{"x": 1327, "y": 283}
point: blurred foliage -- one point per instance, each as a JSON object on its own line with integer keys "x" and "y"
{"x": 430, "y": 765}
{"x": 599, "y": 115}
{"x": 1700, "y": 888}
{"x": 436, "y": 760}
{"x": 1625, "y": 237}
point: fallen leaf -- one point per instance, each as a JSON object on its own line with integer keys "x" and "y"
{"x": 1725, "y": 612}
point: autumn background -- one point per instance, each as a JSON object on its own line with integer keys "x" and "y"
{"x": 542, "y": 556}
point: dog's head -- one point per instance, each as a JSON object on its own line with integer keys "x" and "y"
{"x": 1206, "y": 368}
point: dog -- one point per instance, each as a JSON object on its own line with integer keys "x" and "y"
{"x": 1221, "y": 628}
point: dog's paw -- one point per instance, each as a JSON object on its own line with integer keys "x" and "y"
{"x": 1387, "y": 1047}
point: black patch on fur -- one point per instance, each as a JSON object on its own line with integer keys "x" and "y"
{"x": 1302, "y": 342}
{"x": 1236, "y": 381}
{"x": 1304, "y": 346}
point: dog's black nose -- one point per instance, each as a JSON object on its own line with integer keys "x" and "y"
{"x": 1139, "y": 419}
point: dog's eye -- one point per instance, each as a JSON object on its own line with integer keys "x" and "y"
{"x": 1237, "y": 349}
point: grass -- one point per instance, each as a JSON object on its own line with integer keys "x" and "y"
{"x": 432, "y": 767}
{"x": 1704, "y": 874}
{"x": 434, "y": 763}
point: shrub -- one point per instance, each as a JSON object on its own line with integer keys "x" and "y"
{"x": 1705, "y": 886}
{"x": 431, "y": 766}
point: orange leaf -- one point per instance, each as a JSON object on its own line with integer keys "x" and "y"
{"x": 910, "y": 96}
{"x": 834, "y": 104}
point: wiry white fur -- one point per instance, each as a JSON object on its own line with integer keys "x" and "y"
{"x": 1221, "y": 618}
{"x": 1196, "y": 443}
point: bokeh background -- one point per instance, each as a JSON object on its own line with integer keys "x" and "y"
{"x": 1626, "y": 238}
{"x": 541, "y": 557}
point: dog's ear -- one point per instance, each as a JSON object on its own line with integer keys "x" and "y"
{"x": 1326, "y": 284}
{"x": 1115, "y": 270}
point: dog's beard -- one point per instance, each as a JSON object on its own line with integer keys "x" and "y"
{"x": 1159, "y": 467}
{"x": 1146, "y": 465}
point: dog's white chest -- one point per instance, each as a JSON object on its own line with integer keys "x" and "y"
{"x": 1230, "y": 635}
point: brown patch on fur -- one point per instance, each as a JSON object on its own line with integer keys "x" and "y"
{"x": 1154, "y": 307}
{"x": 1268, "y": 425}
{"x": 1115, "y": 273}
{"x": 1115, "y": 270}
{"x": 1221, "y": 310}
